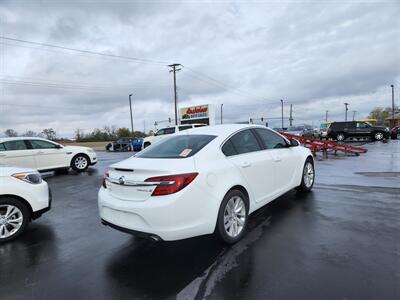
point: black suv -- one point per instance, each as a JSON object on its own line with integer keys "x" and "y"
{"x": 342, "y": 130}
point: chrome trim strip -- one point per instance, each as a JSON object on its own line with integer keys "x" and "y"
{"x": 139, "y": 183}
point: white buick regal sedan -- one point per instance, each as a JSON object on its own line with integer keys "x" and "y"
{"x": 44, "y": 155}
{"x": 24, "y": 196}
{"x": 202, "y": 181}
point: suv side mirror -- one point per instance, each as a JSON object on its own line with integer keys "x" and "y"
{"x": 294, "y": 143}
{"x": 59, "y": 147}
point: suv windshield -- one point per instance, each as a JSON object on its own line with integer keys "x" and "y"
{"x": 179, "y": 146}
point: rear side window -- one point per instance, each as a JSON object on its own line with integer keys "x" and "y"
{"x": 179, "y": 146}
{"x": 15, "y": 145}
{"x": 39, "y": 144}
{"x": 244, "y": 142}
{"x": 270, "y": 139}
{"x": 228, "y": 149}
{"x": 2, "y": 148}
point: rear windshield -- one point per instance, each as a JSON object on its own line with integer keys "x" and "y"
{"x": 179, "y": 146}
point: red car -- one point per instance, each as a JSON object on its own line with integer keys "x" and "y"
{"x": 394, "y": 132}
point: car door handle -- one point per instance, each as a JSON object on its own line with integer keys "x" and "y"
{"x": 40, "y": 152}
{"x": 2, "y": 155}
{"x": 277, "y": 158}
{"x": 245, "y": 164}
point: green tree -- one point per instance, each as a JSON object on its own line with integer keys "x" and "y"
{"x": 123, "y": 132}
{"x": 380, "y": 114}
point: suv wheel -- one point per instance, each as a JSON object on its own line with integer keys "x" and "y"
{"x": 14, "y": 217}
{"x": 378, "y": 136}
{"x": 80, "y": 162}
{"x": 340, "y": 137}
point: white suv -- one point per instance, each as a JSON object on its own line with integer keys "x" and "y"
{"x": 24, "y": 196}
{"x": 163, "y": 132}
{"x": 44, "y": 155}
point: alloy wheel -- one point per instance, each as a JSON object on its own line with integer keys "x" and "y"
{"x": 11, "y": 220}
{"x": 379, "y": 136}
{"x": 234, "y": 216}
{"x": 81, "y": 162}
{"x": 308, "y": 174}
{"x": 340, "y": 137}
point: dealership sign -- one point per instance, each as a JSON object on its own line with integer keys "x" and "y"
{"x": 194, "y": 112}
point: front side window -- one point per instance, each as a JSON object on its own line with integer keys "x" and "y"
{"x": 270, "y": 139}
{"x": 15, "y": 145}
{"x": 362, "y": 125}
{"x": 164, "y": 131}
{"x": 179, "y": 146}
{"x": 245, "y": 141}
{"x": 39, "y": 144}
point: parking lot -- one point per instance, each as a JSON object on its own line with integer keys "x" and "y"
{"x": 342, "y": 241}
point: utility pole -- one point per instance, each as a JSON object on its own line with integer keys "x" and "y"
{"x": 174, "y": 70}
{"x": 130, "y": 106}
{"x": 291, "y": 115}
{"x": 282, "y": 111}
{"x": 221, "y": 112}
{"x": 326, "y": 115}
{"x": 354, "y": 114}
{"x": 392, "y": 86}
{"x": 346, "y": 109}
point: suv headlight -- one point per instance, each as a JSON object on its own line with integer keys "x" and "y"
{"x": 387, "y": 128}
{"x": 33, "y": 178}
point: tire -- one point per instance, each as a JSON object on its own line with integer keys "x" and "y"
{"x": 340, "y": 137}
{"x": 146, "y": 144}
{"x": 307, "y": 182}
{"x": 235, "y": 232}
{"x": 10, "y": 228}
{"x": 80, "y": 162}
{"x": 378, "y": 136}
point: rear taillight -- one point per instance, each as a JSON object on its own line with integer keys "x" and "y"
{"x": 106, "y": 175}
{"x": 171, "y": 184}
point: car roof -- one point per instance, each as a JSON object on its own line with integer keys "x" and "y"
{"x": 222, "y": 130}
{"x": 19, "y": 138}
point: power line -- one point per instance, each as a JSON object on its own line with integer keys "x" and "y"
{"x": 139, "y": 60}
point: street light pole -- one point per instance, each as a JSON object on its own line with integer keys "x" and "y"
{"x": 346, "y": 109}
{"x": 130, "y": 106}
{"x": 174, "y": 70}
{"x": 354, "y": 114}
{"x": 392, "y": 86}
{"x": 221, "y": 112}
{"x": 282, "y": 111}
{"x": 326, "y": 115}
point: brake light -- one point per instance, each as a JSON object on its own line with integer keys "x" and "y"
{"x": 172, "y": 183}
{"x": 106, "y": 175}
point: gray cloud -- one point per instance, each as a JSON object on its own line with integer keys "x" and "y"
{"x": 313, "y": 55}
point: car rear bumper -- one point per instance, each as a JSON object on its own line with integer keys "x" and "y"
{"x": 174, "y": 217}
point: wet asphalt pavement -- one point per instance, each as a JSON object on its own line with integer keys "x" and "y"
{"x": 342, "y": 241}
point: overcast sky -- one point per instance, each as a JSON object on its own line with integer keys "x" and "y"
{"x": 315, "y": 55}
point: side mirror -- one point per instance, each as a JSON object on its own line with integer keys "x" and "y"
{"x": 294, "y": 143}
{"x": 59, "y": 147}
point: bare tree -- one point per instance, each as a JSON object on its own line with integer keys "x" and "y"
{"x": 11, "y": 133}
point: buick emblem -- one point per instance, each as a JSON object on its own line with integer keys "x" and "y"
{"x": 121, "y": 180}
